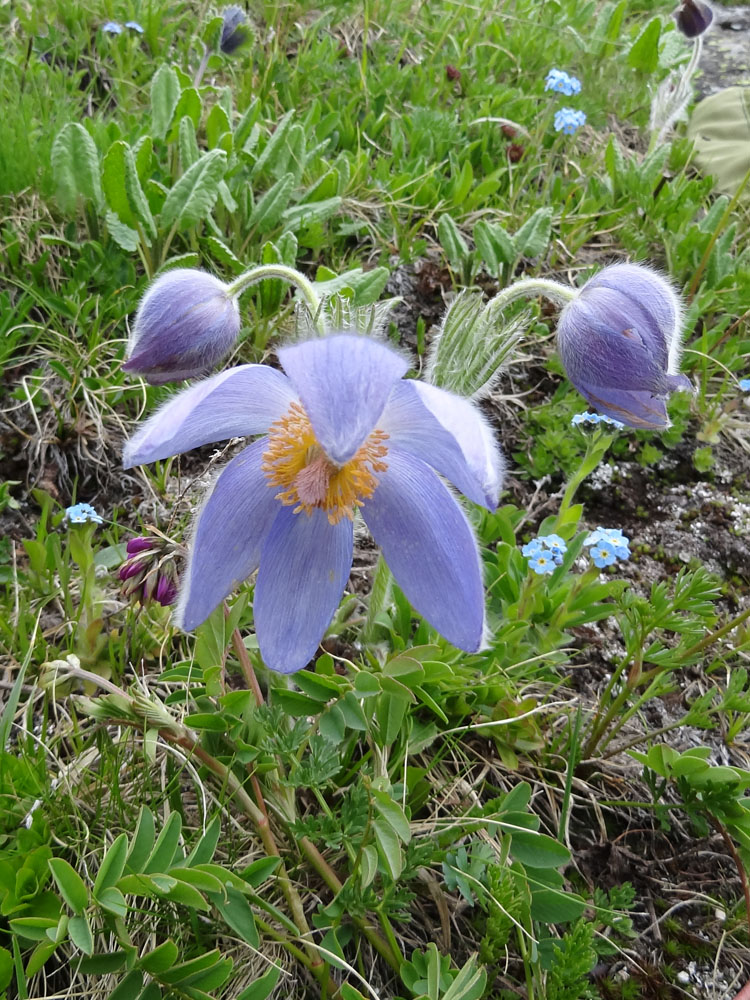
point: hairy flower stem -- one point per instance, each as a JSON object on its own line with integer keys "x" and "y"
{"x": 596, "y": 449}
{"x": 263, "y": 271}
{"x": 527, "y": 288}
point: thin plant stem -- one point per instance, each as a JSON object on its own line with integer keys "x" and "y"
{"x": 738, "y": 863}
{"x": 263, "y": 271}
{"x": 247, "y": 668}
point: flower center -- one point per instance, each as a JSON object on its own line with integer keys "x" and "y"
{"x": 295, "y": 461}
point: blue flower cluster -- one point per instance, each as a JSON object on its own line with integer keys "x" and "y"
{"x": 82, "y": 513}
{"x": 568, "y": 120}
{"x": 113, "y": 28}
{"x": 545, "y": 553}
{"x": 607, "y": 546}
{"x": 559, "y": 80}
{"x": 745, "y": 384}
{"x": 595, "y": 418}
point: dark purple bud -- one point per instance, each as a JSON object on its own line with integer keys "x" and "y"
{"x": 138, "y": 544}
{"x": 619, "y": 342}
{"x": 186, "y": 323}
{"x": 165, "y": 591}
{"x": 233, "y": 30}
{"x": 131, "y": 568}
{"x": 693, "y": 17}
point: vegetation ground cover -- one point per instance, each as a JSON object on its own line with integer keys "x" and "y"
{"x": 561, "y": 815}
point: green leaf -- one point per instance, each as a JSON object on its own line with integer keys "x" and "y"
{"x": 102, "y": 965}
{"x": 204, "y": 850}
{"x": 112, "y": 900}
{"x": 452, "y": 242}
{"x": 224, "y": 255}
{"x": 644, "y": 53}
{"x": 165, "y": 93}
{"x": 187, "y": 144}
{"x": 191, "y": 199}
{"x": 263, "y": 987}
{"x": 6, "y": 970}
{"x": 469, "y": 984}
{"x": 217, "y": 125}
{"x": 70, "y": 884}
{"x": 160, "y": 959}
{"x": 390, "y": 711}
{"x": 167, "y": 844}
{"x": 79, "y": 930}
{"x": 143, "y": 841}
{"x": 180, "y": 974}
{"x": 538, "y": 850}
{"x": 269, "y": 208}
{"x": 129, "y": 988}
{"x": 75, "y": 162}
{"x": 388, "y": 847}
{"x": 125, "y": 237}
{"x": 237, "y": 913}
{"x": 311, "y": 213}
{"x": 532, "y": 239}
{"x": 39, "y": 956}
{"x": 122, "y": 188}
{"x": 275, "y": 148}
{"x": 256, "y": 873}
{"x": 188, "y": 106}
{"x": 392, "y": 813}
{"x": 112, "y": 866}
{"x": 207, "y": 721}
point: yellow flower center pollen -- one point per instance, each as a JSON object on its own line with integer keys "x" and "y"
{"x": 295, "y": 461}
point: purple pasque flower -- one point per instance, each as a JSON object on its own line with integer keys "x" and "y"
{"x": 693, "y": 17}
{"x": 619, "y": 342}
{"x": 234, "y": 32}
{"x": 186, "y": 323}
{"x": 342, "y": 431}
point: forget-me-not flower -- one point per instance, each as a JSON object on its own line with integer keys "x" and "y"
{"x": 568, "y": 120}
{"x": 342, "y": 431}
{"x": 545, "y": 553}
{"x": 112, "y": 28}
{"x": 745, "y": 384}
{"x": 82, "y": 513}
{"x": 607, "y": 545}
{"x": 619, "y": 342}
{"x": 562, "y": 82}
{"x": 134, "y": 26}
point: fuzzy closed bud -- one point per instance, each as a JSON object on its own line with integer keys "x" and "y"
{"x": 693, "y": 17}
{"x": 619, "y": 342}
{"x": 185, "y": 325}
{"x": 149, "y": 572}
{"x": 234, "y": 31}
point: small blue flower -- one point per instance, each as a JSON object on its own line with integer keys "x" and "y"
{"x": 550, "y": 549}
{"x": 134, "y": 26}
{"x": 603, "y": 555}
{"x": 82, "y": 513}
{"x": 745, "y": 384}
{"x": 567, "y": 120}
{"x": 609, "y": 543}
{"x": 595, "y": 418}
{"x": 559, "y": 80}
{"x": 112, "y": 28}
{"x": 542, "y": 564}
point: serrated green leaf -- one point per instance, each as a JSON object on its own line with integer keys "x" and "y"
{"x": 75, "y": 163}
{"x": 275, "y": 148}
{"x": 72, "y": 887}
{"x": 532, "y": 239}
{"x": 125, "y": 237}
{"x": 187, "y": 144}
{"x": 143, "y": 151}
{"x": 188, "y": 106}
{"x": 165, "y": 93}
{"x": 311, "y": 213}
{"x": 191, "y": 199}
{"x": 452, "y": 242}
{"x": 269, "y": 208}
{"x": 221, "y": 252}
{"x": 217, "y": 125}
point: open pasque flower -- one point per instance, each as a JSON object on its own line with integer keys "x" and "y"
{"x": 342, "y": 431}
{"x": 186, "y": 323}
{"x": 619, "y": 342}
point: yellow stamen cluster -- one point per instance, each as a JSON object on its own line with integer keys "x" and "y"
{"x": 295, "y": 461}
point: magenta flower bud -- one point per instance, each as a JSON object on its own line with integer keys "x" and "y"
{"x": 619, "y": 342}
{"x": 693, "y": 18}
{"x": 186, "y": 323}
{"x": 131, "y": 568}
{"x": 138, "y": 544}
{"x": 165, "y": 591}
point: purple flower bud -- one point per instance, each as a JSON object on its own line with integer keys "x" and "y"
{"x": 693, "y": 18}
{"x": 165, "y": 591}
{"x": 184, "y": 326}
{"x": 233, "y": 32}
{"x": 131, "y": 568}
{"x": 138, "y": 544}
{"x": 619, "y": 342}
